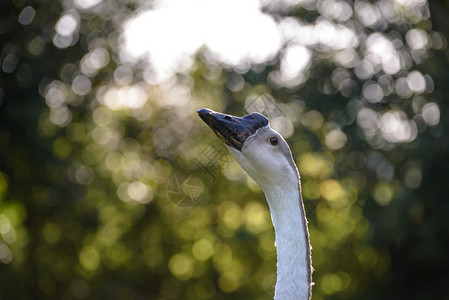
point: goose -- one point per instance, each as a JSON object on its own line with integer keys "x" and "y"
{"x": 266, "y": 157}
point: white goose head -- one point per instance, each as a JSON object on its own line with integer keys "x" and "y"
{"x": 259, "y": 149}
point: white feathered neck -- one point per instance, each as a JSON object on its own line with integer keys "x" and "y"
{"x": 275, "y": 172}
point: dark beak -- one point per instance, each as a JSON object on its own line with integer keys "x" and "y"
{"x": 233, "y": 131}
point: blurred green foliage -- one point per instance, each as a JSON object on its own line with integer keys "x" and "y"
{"x": 110, "y": 186}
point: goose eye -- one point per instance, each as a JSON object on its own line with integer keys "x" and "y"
{"x": 273, "y": 140}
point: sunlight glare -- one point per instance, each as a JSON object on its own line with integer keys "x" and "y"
{"x": 176, "y": 30}
{"x": 132, "y": 97}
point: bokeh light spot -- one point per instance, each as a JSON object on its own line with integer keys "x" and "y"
{"x": 416, "y": 38}
{"x": 257, "y": 218}
{"x": 383, "y": 193}
{"x": 67, "y": 24}
{"x": 413, "y": 177}
{"x": 416, "y": 82}
{"x": 335, "y": 139}
{"x": 181, "y": 265}
{"x": 372, "y": 92}
{"x": 431, "y": 114}
{"x": 334, "y": 282}
{"x": 62, "y": 147}
{"x": 89, "y": 258}
{"x": 51, "y": 232}
{"x": 26, "y": 16}
{"x": 315, "y": 165}
{"x": 203, "y": 249}
{"x": 229, "y": 282}
{"x": 5, "y": 254}
{"x": 313, "y": 119}
{"x": 140, "y": 192}
{"x": 81, "y": 85}
{"x": 331, "y": 190}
